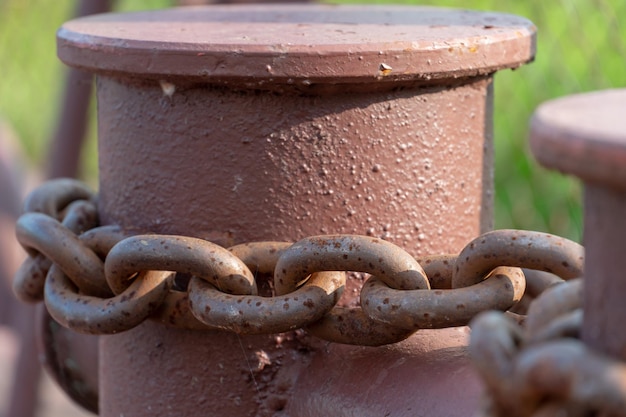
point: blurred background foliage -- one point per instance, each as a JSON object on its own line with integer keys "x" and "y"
{"x": 581, "y": 47}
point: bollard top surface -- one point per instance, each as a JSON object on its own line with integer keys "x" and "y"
{"x": 583, "y": 135}
{"x": 298, "y": 44}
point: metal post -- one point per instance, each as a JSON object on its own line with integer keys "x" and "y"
{"x": 69, "y": 135}
{"x": 585, "y": 135}
{"x": 247, "y": 123}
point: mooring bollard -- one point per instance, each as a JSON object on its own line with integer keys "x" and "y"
{"x": 585, "y": 135}
{"x": 255, "y": 123}
{"x": 568, "y": 358}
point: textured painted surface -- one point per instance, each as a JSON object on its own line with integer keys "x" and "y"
{"x": 413, "y": 167}
{"x": 186, "y": 373}
{"x": 279, "y": 123}
{"x": 299, "y": 45}
{"x": 426, "y": 375}
{"x": 583, "y": 135}
{"x": 183, "y": 373}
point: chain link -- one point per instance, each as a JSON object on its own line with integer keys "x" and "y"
{"x": 42, "y": 235}
{"x": 77, "y": 216}
{"x": 95, "y": 315}
{"x": 521, "y": 248}
{"x": 355, "y": 253}
{"x": 185, "y": 255}
{"x": 542, "y": 369}
{"x": 252, "y": 314}
{"x": 393, "y": 265}
{"x": 422, "y": 309}
{"x": 103, "y": 280}
{"x": 54, "y": 197}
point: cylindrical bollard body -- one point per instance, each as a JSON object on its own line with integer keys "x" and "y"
{"x": 251, "y": 123}
{"x": 232, "y": 166}
{"x": 585, "y": 135}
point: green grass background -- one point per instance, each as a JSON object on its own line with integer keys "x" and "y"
{"x": 581, "y": 47}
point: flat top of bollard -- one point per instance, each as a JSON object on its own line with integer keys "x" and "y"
{"x": 301, "y": 43}
{"x": 584, "y": 135}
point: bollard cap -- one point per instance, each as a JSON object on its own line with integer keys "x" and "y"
{"x": 298, "y": 44}
{"x": 583, "y": 135}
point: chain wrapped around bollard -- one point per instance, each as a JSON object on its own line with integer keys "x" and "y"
{"x": 103, "y": 280}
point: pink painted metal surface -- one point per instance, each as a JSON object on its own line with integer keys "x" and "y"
{"x": 305, "y": 165}
{"x": 272, "y": 44}
{"x": 253, "y": 123}
{"x": 585, "y": 135}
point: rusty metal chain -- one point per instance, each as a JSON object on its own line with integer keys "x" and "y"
{"x": 542, "y": 369}
{"x": 101, "y": 280}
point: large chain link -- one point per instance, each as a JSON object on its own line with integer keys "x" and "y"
{"x": 542, "y": 369}
{"x": 101, "y": 280}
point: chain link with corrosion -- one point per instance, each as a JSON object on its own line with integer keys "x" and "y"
{"x": 102, "y": 279}
{"x": 542, "y": 369}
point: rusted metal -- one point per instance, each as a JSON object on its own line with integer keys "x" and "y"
{"x": 352, "y": 326}
{"x": 584, "y": 135}
{"x": 438, "y": 269}
{"x": 309, "y": 117}
{"x": 182, "y": 254}
{"x": 566, "y": 370}
{"x": 52, "y": 197}
{"x": 260, "y": 257}
{"x": 374, "y": 256}
{"x": 29, "y": 279}
{"x": 420, "y": 309}
{"x": 253, "y": 314}
{"x": 279, "y": 134}
{"x": 94, "y": 315}
{"x": 545, "y": 311}
{"x": 545, "y": 369}
{"x": 40, "y": 234}
{"x": 102, "y": 239}
{"x": 388, "y": 316}
{"x": 27, "y": 369}
{"x": 68, "y": 201}
{"x": 297, "y": 288}
{"x": 539, "y": 281}
{"x": 262, "y": 315}
{"x": 521, "y": 248}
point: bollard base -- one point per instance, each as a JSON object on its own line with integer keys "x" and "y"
{"x": 188, "y": 373}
